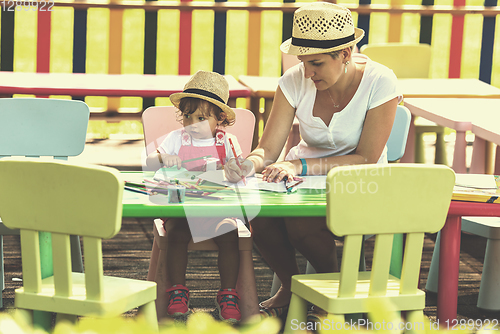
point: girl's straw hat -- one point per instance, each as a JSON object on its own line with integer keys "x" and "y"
{"x": 208, "y": 86}
{"x": 321, "y": 27}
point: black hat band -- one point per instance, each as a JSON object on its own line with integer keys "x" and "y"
{"x": 327, "y": 44}
{"x": 204, "y": 93}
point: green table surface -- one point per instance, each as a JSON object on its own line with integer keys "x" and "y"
{"x": 253, "y": 203}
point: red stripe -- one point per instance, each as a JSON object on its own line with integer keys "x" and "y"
{"x": 185, "y": 42}
{"x": 43, "y": 42}
{"x": 457, "y": 34}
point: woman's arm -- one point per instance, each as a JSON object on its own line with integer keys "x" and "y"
{"x": 275, "y": 133}
{"x": 272, "y": 142}
{"x": 376, "y": 130}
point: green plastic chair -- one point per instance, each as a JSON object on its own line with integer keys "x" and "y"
{"x": 399, "y": 198}
{"x": 410, "y": 60}
{"x": 69, "y": 199}
{"x": 42, "y": 127}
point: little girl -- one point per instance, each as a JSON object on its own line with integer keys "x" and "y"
{"x": 203, "y": 107}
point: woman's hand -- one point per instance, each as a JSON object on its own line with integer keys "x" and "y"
{"x": 171, "y": 160}
{"x": 234, "y": 173}
{"x": 277, "y": 171}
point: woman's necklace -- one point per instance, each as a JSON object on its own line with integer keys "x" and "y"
{"x": 340, "y": 101}
{"x": 334, "y": 105}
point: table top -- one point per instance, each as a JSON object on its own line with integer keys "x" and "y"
{"x": 457, "y": 114}
{"x": 260, "y": 86}
{"x": 488, "y": 128}
{"x": 447, "y": 88}
{"x": 410, "y": 88}
{"x": 303, "y": 203}
{"x": 87, "y": 84}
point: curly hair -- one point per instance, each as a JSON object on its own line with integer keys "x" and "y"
{"x": 189, "y": 105}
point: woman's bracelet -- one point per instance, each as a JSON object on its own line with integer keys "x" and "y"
{"x": 304, "y": 167}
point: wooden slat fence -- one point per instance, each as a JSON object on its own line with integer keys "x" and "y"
{"x": 258, "y": 58}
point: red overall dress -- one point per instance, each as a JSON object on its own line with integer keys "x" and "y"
{"x": 201, "y": 227}
{"x": 188, "y": 151}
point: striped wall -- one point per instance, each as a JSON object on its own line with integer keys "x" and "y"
{"x": 236, "y": 42}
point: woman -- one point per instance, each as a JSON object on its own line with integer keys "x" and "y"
{"x": 345, "y": 104}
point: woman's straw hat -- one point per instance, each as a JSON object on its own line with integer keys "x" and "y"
{"x": 321, "y": 27}
{"x": 208, "y": 86}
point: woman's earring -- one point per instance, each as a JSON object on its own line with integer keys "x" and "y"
{"x": 345, "y": 67}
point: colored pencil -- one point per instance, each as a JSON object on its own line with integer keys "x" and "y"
{"x": 237, "y": 161}
{"x": 203, "y": 196}
{"x": 137, "y": 190}
{"x": 194, "y": 159}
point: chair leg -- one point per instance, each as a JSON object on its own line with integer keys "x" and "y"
{"x": 296, "y": 318}
{"x": 76, "y": 254}
{"x": 415, "y": 322}
{"x": 24, "y": 316}
{"x": 66, "y": 317}
{"x": 2, "y": 269}
{"x": 440, "y": 154}
{"x": 148, "y": 312}
{"x": 433, "y": 276}
{"x": 397, "y": 256}
{"x": 419, "y": 147}
{"x": 246, "y": 287}
{"x": 153, "y": 261}
{"x": 162, "y": 284}
{"x": 489, "y": 293}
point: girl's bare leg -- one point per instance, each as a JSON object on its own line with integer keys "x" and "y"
{"x": 229, "y": 256}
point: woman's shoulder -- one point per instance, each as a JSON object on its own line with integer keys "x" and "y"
{"x": 294, "y": 73}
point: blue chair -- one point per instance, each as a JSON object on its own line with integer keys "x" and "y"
{"x": 36, "y": 127}
{"x": 396, "y": 145}
{"x": 410, "y": 60}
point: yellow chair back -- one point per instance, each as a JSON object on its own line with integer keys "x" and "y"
{"x": 383, "y": 200}
{"x": 46, "y": 195}
{"x": 67, "y": 199}
{"x": 406, "y": 60}
{"x": 386, "y": 200}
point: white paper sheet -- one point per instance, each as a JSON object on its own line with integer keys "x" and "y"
{"x": 167, "y": 174}
{"x": 255, "y": 182}
{"x": 478, "y": 181}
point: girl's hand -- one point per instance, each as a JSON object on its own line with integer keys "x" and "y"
{"x": 277, "y": 172}
{"x": 234, "y": 173}
{"x": 171, "y": 160}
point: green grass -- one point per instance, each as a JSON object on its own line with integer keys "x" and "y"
{"x": 202, "y": 46}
